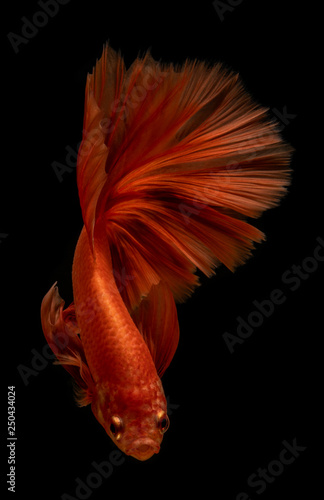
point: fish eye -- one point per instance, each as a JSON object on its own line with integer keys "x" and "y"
{"x": 115, "y": 425}
{"x": 164, "y": 423}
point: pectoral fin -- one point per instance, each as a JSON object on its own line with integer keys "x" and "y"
{"x": 62, "y": 334}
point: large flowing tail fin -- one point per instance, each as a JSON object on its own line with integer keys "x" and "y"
{"x": 173, "y": 158}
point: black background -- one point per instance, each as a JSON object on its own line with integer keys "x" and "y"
{"x": 230, "y": 412}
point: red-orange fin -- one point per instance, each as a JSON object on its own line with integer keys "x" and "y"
{"x": 172, "y": 161}
{"x": 156, "y": 318}
{"x": 103, "y": 89}
{"x": 61, "y": 332}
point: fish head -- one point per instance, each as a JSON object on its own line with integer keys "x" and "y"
{"x": 135, "y": 423}
{"x": 145, "y": 433}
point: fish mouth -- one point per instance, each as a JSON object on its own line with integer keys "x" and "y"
{"x": 143, "y": 449}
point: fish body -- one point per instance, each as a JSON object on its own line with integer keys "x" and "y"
{"x": 127, "y": 389}
{"x": 172, "y": 160}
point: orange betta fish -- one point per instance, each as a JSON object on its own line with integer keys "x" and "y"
{"x": 173, "y": 158}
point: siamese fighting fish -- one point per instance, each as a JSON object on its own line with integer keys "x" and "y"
{"x": 173, "y": 160}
